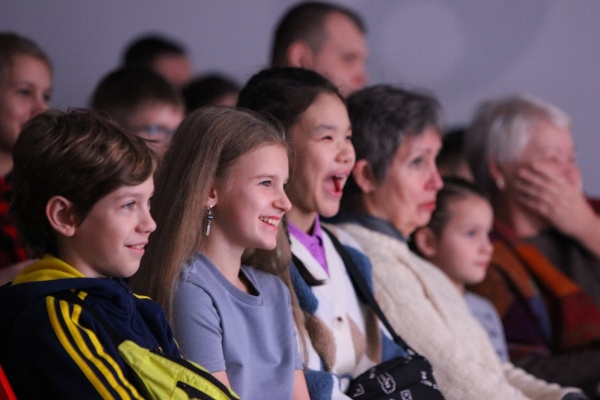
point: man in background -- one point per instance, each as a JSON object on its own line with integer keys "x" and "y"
{"x": 326, "y": 38}
{"x": 161, "y": 55}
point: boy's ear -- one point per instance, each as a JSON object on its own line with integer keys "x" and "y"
{"x": 212, "y": 198}
{"x": 426, "y": 241}
{"x": 300, "y": 55}
{"x": 363, "y": 176}
{"x": 61, "y": 215}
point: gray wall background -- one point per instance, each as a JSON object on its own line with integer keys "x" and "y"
{"x": 463, "y": 51}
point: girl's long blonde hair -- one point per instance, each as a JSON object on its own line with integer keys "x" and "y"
{"x": 205, "y": 147}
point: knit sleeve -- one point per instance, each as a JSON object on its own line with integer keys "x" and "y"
{"x": 411, "y": 310}
{"x": 536, "y": 388}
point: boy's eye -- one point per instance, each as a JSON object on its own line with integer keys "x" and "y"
{"x": 129, "y": 205}
{"x": 266, "y": 183}
{"x": 47, "y": 97}
{"x": 471, "y": 233}
{"x": 24, "y": 92}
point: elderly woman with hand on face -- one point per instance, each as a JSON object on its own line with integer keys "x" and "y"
{"x": 545, "y": 273}
{"x": 396, "y": 134}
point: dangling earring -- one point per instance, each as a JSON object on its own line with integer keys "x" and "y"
{"x": 209, "y": 217}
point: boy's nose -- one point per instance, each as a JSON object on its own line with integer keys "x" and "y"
{"x": 147, "y": 223}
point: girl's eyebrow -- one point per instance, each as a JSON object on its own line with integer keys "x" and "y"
{"x": 324, "y": 127}
{"x": 266, "y": 175}
{"x": 329, "y": 127}
{"x": 24, "y": 82}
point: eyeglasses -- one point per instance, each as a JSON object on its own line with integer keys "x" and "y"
{"x": 154, "y": 130}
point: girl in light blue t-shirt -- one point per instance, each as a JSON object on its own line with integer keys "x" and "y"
{"x": 220, "y": 195}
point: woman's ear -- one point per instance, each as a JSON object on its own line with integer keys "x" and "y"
{"x": 426, "y": 241}
{"x": 497, "y": 174}
{"x": 61, "y": 215}
{"x": 363, "y": 176}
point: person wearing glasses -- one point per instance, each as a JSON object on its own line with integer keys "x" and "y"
{"x": 142, "y": 102}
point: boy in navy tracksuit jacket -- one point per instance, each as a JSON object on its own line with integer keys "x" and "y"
{"x": 82, "y": 191}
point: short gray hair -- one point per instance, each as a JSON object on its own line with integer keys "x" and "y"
{"x": 501, "y": 128}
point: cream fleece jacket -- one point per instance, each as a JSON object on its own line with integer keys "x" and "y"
{"x": 430, "y": 313}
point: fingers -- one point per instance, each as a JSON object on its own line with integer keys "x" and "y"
{"x": 538, "y": 186}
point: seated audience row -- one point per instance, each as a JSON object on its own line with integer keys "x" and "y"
{"x": 220, "y": 205}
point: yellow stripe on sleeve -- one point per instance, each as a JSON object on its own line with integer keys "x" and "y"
{"x": 74, "y": 335}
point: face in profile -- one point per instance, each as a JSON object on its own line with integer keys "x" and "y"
{"x": 549, "y": 147}
{"x": 407, "y": 195}
{"x": 24, "y": 91}
{"x": 463, "y": 250}
{"x": 323, "y": 159}
{"x": 343, "y": 55}
{"x": 110, "y": 241}
{"x": 251, "y": 200}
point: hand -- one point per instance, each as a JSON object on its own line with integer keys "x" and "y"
{"x": 555, "y": 196}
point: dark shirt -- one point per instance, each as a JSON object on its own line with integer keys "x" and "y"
{"x": 11, "y": 248}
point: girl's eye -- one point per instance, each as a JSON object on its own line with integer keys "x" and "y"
{"x": 349, "y": 138}
{"x": 24, "y": 92}
{"x": 266, "y": 183}
{"x": 417, "y": 162}
{"x": 129, "y": 206}
{"x": 471, "y": 233}
{"x": 327, "y": 138}
{"x": 47, "y": 97}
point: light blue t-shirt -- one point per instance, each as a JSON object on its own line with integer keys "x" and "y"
{"x": 251, "y": 337}
{"x": 488, "y": 317}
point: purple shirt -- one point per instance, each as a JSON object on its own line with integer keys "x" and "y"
{"x": 314, "y": 242}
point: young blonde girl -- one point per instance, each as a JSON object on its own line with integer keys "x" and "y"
{"x": 220, "y": 193}
{"x": 25, "y": 90}
{"x": 457, "y": 241}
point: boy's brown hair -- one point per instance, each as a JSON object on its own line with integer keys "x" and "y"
{"x": 78, "y": 154}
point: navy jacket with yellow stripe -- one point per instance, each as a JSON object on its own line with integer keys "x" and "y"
{"x": 53, "y": 349}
